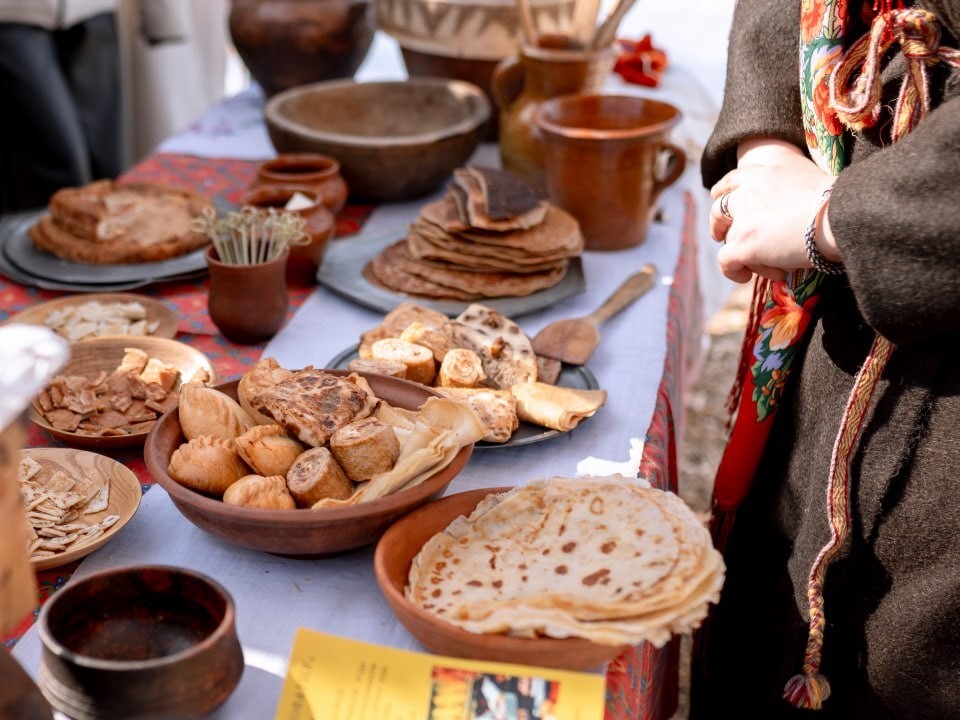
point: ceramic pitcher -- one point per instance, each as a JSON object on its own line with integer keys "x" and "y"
{"x": 522, "y": 82}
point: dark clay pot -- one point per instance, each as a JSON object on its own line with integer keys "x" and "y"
{"x": 285, "y": 43}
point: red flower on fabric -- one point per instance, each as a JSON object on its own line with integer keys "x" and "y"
{"x": 786, "y": 318}
{"x": 825, "y": 112}
{"x": 812, "y": 13}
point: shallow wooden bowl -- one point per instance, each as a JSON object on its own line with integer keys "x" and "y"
{"x": 157, "y": 310}
{"x": 393, "y": 139}
{"x": 125, "y": 494}
{"x": 391, "y": 563}
{"x": 298, "y": 532}
{"x": 91, "y": 356}
{"x": 139, "y": 641}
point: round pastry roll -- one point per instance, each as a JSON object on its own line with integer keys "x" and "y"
{"x": 258, "y": 491}
{"x": 268, "y": 449}
{"x": 393, "y": 368}
{"x": 205, "y": 411}
{"x": 461, "y": 368}
{"x": 419, "y": 361}
{"x": 266, "y": 373}
{"x": 315, "y": 475}
{"x": 365, "y": 448}
{"x": 207, "y": 464}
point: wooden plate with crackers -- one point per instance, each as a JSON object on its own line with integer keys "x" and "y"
{"x": 80, "y": 317}
{"x": 76, "y": 502}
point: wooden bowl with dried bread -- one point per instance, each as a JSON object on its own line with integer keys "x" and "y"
{"x": 560, "y": 572}
{"x": 114, "y": 389}
{"x": 301, "y": 466}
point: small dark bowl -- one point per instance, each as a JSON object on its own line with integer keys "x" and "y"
{"x": 394, "y": 140}
{"x": 137, "y": 642}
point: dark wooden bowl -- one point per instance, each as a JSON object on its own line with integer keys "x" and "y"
{"x": 391, "y": 563}
{"x": 394, "y": 139}
{"x": 298, "y": 532}
{"x": 137, "y": 641}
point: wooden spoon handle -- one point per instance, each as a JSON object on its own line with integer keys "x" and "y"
{"x": 630, "y": 289}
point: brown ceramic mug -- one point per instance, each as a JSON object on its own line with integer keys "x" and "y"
{"x": 607, "y": 159}
{"x": 317, "y": 172}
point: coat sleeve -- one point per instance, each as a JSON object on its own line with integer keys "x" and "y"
{"x": 762, "y": 92}
{"x": 896, "y": 218}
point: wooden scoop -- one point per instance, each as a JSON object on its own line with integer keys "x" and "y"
{"x": 573, "y": 341}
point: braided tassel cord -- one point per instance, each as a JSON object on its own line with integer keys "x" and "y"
{"x": 809, "y": 689}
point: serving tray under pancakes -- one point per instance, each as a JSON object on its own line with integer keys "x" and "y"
{"x": 342, "y": 272}
{"x": 571, "y": 376}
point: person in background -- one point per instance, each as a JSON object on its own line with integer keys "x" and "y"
{"x": 834, "y": 171}
{"x": 60, "y": 80}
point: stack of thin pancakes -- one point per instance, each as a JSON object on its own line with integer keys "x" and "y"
{"x": 491, "y": 235}
{"x": 600, "y": 558}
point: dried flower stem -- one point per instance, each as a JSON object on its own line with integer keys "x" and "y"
{"x": 252, "y": 235}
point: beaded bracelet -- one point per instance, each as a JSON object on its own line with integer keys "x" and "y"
{"x": 819, "y": 262}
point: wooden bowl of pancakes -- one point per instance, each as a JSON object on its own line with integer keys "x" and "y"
{"x": 392, "y": 559}
{"x": 301, "y": 532}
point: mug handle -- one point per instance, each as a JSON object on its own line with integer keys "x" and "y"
{"x": 676, "y": 164}
{"x": 507, "y": 81}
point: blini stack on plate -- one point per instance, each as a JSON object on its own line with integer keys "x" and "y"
{"x": 490, "y": 236}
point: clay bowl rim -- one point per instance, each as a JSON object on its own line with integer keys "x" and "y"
{"x": 210, "y": 506}
{"x": 460, "y": 89}
{"x": 268, "y": 169}
{"x": 580, "y": 133}
{"x": 226, "y": 627}
{"x": 495, "y": 647}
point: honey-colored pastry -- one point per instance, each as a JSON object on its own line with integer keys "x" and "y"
{"x": 207, "y": 464}
{"x": 268, "y": 449}
{"x": 365, "y": 448}
{"x": 315, "y": 475}
{"x": 266, "y": 373}
{"x": 461, "y": 368}
{"x": 206, "y": 411}
{"x": 436, "y": 338}
{"x": 421, "y": 366}
{"x": 392, "y": 368}
{"x": 258, "y": 491}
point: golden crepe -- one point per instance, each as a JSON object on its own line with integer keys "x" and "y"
{"x": 596, "y": 557}
{"x": 554, "y": 406}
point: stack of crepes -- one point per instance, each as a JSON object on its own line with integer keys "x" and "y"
{"x": 491, "y": 235}
{"x": 600, "y": 558}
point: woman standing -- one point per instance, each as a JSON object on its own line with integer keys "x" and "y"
{"x": 835, "y": 172}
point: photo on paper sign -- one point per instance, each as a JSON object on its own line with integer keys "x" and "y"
{"x": 471, "y": 695}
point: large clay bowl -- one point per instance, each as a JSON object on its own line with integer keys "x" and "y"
{"x": 391, "y": 563}
{"x": 141, "y": 641}
{"x": 394, "y": 139}
{"x": 297, "y": 532}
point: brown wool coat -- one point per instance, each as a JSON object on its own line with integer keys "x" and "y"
{"x": 892, "y": 643}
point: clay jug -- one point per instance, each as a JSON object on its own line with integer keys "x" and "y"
{"x": 320, "y": 173}
{"x": 247, "y": 303}
{"x": 285, "y": 43}
{"x": 522, "y": 82}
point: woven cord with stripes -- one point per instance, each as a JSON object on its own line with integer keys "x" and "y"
{"x": 857, "y": 103}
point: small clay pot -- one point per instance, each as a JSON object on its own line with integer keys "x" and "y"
{"x": 304, "y": 260}
{"x": 247, "y": 303}
{"x": 320, "y": 173}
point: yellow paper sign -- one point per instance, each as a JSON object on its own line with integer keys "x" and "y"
{"x": 333, "y": 678}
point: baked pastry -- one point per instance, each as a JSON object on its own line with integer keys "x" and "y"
{"x": 258, "y": 491}
{"x": 266, "y": 373}
{"x": 437, "y": 339}
{"x": 207, "y": 464}
{"x": 506, "y": 352}
{"x": 497, "y": 409}
{"x": 365, "y": 448}
{"x": 268, "y": 449}
{"x": 314, "y": 476}
{"x": 311, "y": 404}
{"x": 418, "y": 359}
{"x": 461, "y": 368}
{"x": 378, "y": 366}
{"x": 398, "y": 320}
{"x": 206, "y": 411}
{"x": 107, "y": 223}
